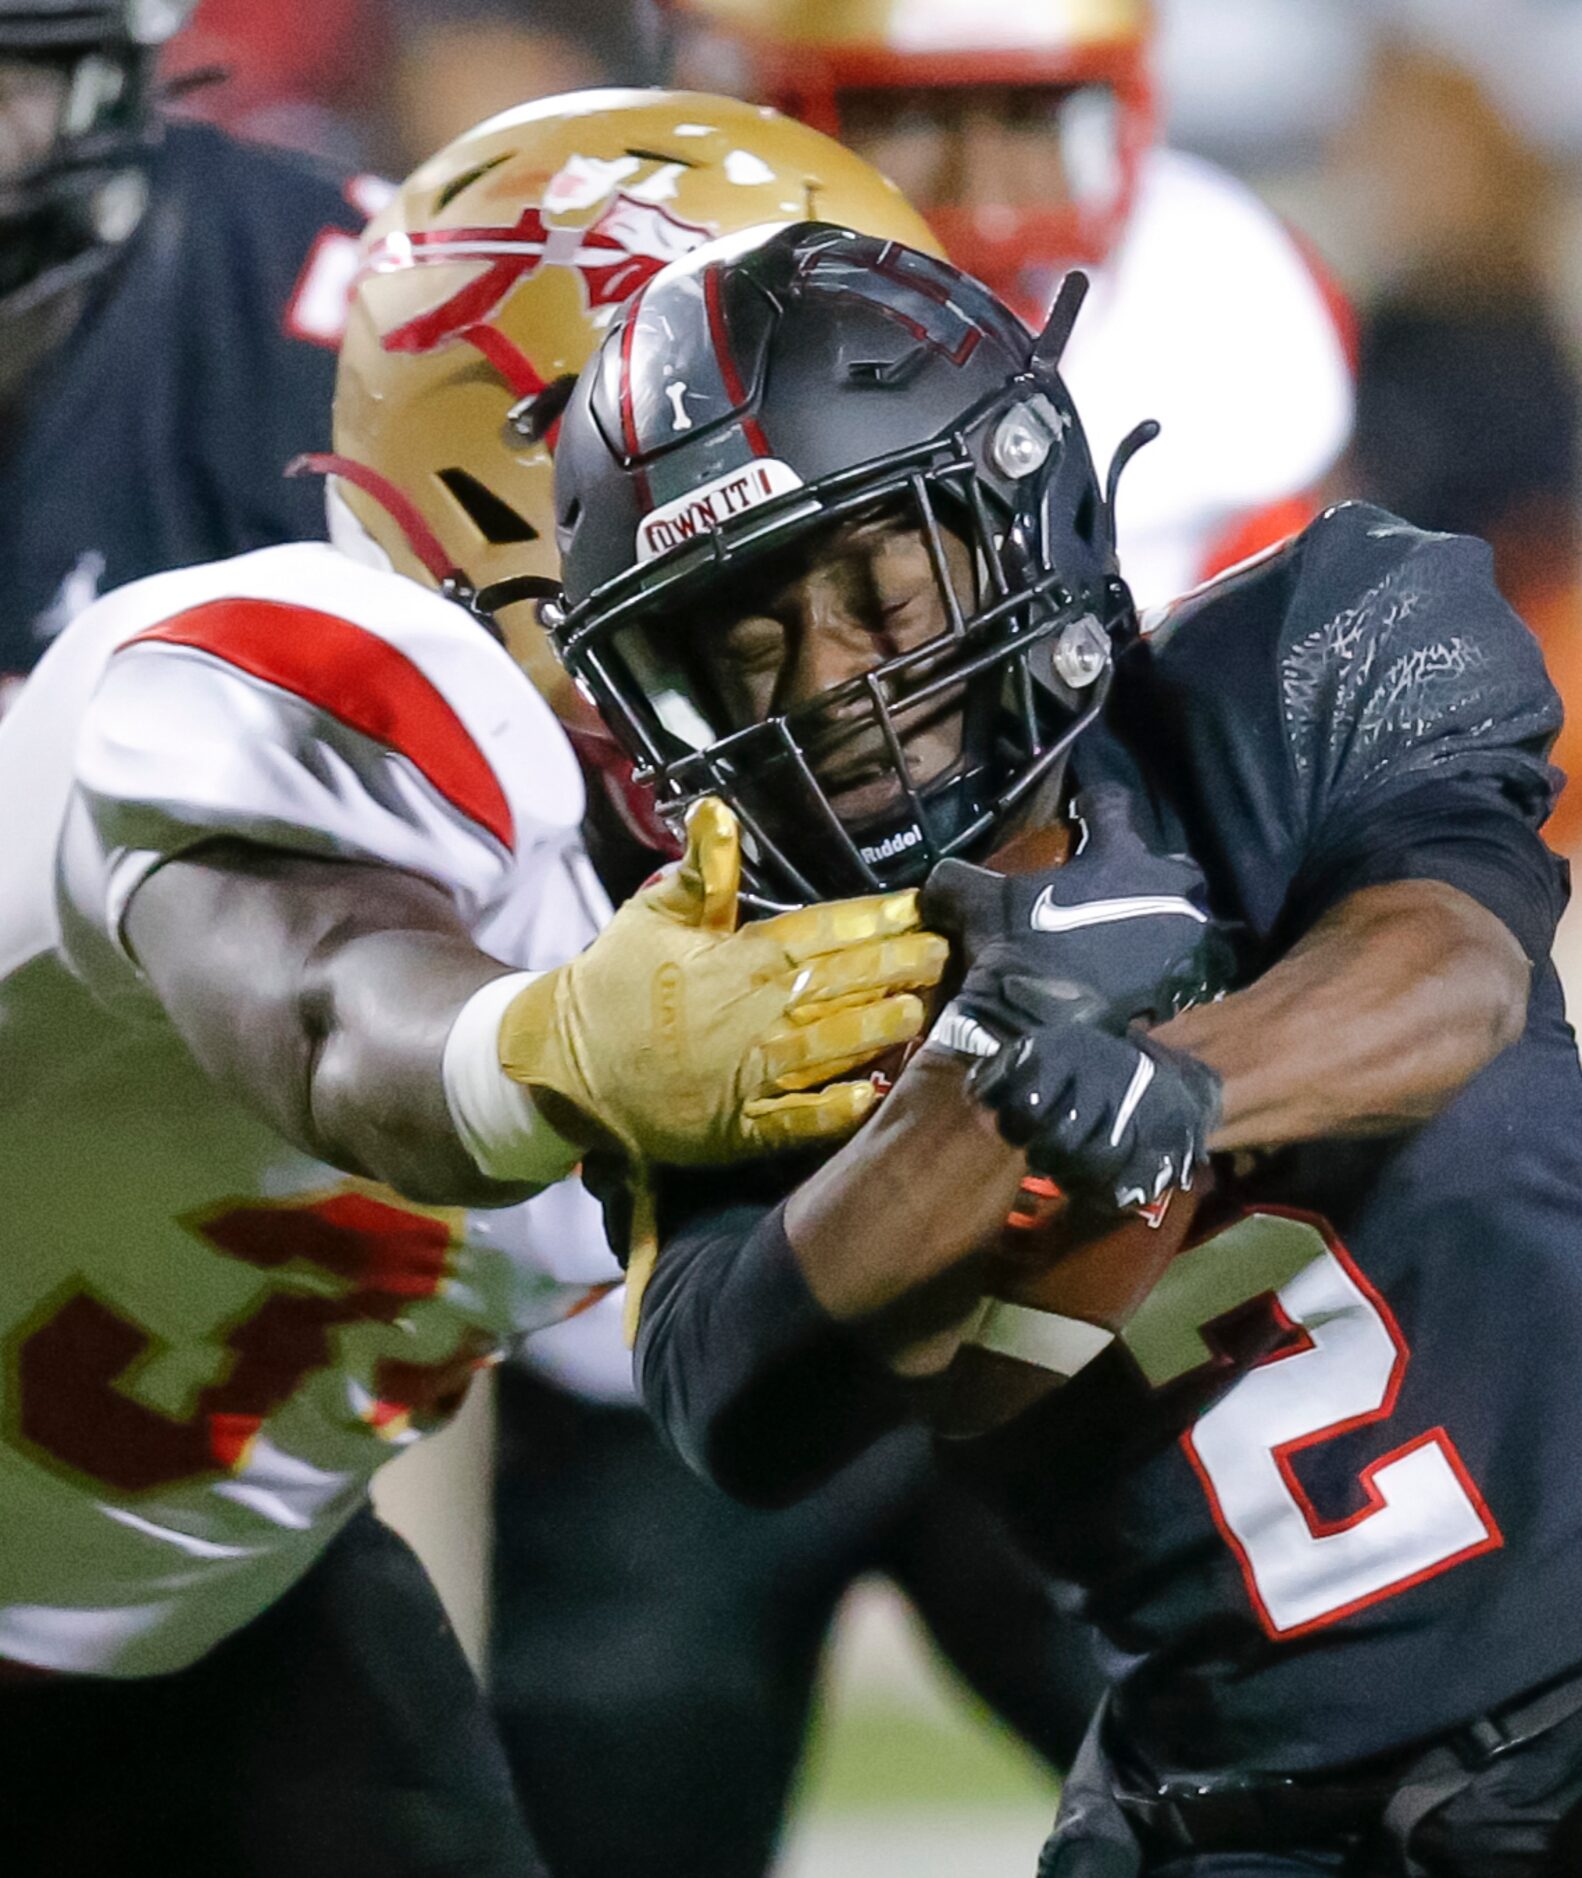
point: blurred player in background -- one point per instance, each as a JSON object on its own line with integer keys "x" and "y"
{"x": 456, "y": 59}
{"x": 170, "y": 301}
{"x": 287, "y": 983}
{"x": 1027, "y": 133}
{"x": 1469, "y": 407}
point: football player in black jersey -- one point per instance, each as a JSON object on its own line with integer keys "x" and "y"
{"x": 834, "y": 549}
{"x": 170, "y": 303}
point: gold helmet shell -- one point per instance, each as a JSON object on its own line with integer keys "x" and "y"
{"x": 490, "y": 278}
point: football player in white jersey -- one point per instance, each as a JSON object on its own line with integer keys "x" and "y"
{"x": 292, "y": 976}
{"x": 1027, "y": 133}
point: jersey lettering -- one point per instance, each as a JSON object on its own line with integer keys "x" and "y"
{"x": 1339, "y": 1369}
{"x": 77, "y": 1367}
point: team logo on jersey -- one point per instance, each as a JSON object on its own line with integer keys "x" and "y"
{"x": 627, "y": 243}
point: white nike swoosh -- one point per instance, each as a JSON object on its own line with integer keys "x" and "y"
{"x": 1046, "y": 916}
{"x": 1135, "y": 1091}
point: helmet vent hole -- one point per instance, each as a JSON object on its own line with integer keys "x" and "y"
{"x": 466, "y": 179}
{"x": 1086, "y": 516}
{"x": 494, "y": 519}
{"x": 659, "y": 156}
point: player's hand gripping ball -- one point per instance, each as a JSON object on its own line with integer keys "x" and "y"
{"x": 1118, "y": 1121}
{"x": 1117, "y": 931}
{"x": 1062, "y": 963}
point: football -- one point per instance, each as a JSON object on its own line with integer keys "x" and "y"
{"x": 1061, "y": 1280}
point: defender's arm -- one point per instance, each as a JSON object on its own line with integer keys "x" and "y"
{"x": 347, "y": 1003}
{"x": 321, "y": 993}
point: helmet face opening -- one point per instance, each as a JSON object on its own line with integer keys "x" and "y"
{"x": 922, "y": 743}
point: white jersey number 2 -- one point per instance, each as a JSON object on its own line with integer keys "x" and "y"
{"x": 1339, "y": 1370}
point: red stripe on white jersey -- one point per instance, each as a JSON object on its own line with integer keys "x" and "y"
{"x": 358, "y": 679}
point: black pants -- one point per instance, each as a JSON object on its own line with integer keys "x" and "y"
{"x": 340, "y": 1735}
{"x": 656, "y": 1647}
{"x": 1517, "y": 1815}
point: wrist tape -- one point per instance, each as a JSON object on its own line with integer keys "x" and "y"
{"x": 495, "y": 1118}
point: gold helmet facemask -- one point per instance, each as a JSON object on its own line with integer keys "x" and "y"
{"x": 490, "y": 278}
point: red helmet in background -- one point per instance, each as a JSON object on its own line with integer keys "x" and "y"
{"x": 1035, "y": 114}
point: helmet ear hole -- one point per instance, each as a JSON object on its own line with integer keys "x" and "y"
{"x": 494, "y": 519}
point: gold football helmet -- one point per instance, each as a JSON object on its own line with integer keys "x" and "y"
{"x": 489, "y": 279}
{"x": 1073, "y": 74}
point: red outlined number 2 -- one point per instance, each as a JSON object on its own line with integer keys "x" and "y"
{"x": 1341, "y": 1371}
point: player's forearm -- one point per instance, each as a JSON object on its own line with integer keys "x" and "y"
{"x": 1372, "y": 1022}
{"x": 925, "y": 1184}
{"x": 752, "y": 1381}
{"x": 321, "y": 994}
{"x": 378, "y": 1012}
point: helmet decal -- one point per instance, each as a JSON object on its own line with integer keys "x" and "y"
{"x": 734, "y": 493}
{"x": 897, "y": 286}
{"x": 621, "y": 251}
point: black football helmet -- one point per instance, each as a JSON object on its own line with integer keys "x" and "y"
{"x": 752, "y": 397}
{"x": 65, "y": 216}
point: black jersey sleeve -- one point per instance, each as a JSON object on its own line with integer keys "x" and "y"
{"x": 1417, "y": 718}
{"x": 1358, "y": 708}
{"x": 749, "y": 1379}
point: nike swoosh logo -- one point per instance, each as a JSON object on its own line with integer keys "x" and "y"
{"x": 1046, "y": 916}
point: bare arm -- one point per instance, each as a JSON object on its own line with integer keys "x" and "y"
{"x": 923, "y": 1187}
{"x": 1396, "y": 998}
{"x": 321, "y": 993}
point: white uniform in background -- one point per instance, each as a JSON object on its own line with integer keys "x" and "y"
{"x": 1209, "y": 317}
{"x": 211, "y": 1341}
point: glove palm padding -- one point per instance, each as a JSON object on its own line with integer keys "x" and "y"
{"x": 689, "y": 1040}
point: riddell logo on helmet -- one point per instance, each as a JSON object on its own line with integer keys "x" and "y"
{"x": 892, "y": 845}
{"x": 699, "y": 510}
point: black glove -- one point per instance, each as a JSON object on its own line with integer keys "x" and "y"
{"x": 1121, "y": 931}
{"x": 1113, "y": 1119}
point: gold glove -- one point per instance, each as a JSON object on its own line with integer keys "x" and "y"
{"x": 693, "y": 1041}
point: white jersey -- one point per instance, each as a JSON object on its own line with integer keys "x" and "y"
{"x": 1210, "y": 318}
{"x": 211, "y": 1341}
